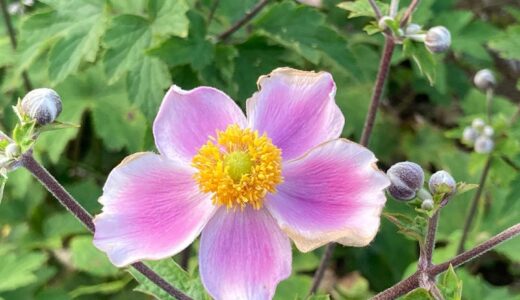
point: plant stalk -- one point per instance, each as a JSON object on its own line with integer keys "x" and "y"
{"x": 57, "y": 190}
{"x": 474, "y": 205}
{"x": 243, "y": 21}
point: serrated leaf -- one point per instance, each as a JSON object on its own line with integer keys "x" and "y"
{"x": 414, "y": 228}
{"x": 18, "y": 270}
{"x": 169, "y": 17}
{"x": 507, "y": 43}
{"x": 418, "y": 294}
{"x": 174, "y": 274}
{"x": 362, "y": 8}
{"x": 463, "y": 187}
{"x": 450, "y": 285}
{"x": 424, "y": 60}
{"x": 87, "y": 258}
{"x": 316, "y": 41}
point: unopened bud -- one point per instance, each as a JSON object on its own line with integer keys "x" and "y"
{"x": 469, "y": 135}
{"x": 438, "y": 39}
{"x": 412, "y": 29}
{"x": 382, "y": 22}
{"x": 488, "y": 131}
{"x": 442, "y": 182}
{"x": 484, "y": 79}
{"x": 406, "y": 179}
{"x": 427, "y": 204}
{"x": 12, "y": 151}
{"x": 484, "y": 145}
{"x": 478, "y": 124}
{"x": 42, "y": 105}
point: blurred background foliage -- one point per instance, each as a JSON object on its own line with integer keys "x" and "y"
{"x": 112, "y": 60}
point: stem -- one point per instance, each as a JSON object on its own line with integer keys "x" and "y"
{"x": 474, "y": 205}
{"x": 409, "y": 11}
{"x": 53, "y": 186}
{"x": 394, "y": 7}
{"x": 212, "y": 11}
{"x": 489, "y": 102}
{"x": 425, "y": 260}
{"x": 376, "y": 9}
{"x": 12, "y": 38}
{"x": 382, "y": 75}
{"x": 318, "y": 276}
{"x": 412, "y": 282}
{"x": 384, "y": 67}
{"x": 244, "y": 20}
{"x": 185, "y": 258}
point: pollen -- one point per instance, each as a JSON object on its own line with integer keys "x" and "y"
{"x": 239, "y": 167}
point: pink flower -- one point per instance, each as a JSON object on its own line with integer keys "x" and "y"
{"x": 248, "y": 184}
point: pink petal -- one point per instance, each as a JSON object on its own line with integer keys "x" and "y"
{"x": 296, "y": 109}
{"x": 151, "y": 210}
{"x": 187, "y": 118}
{"x": 243, "y": 255}
{"x": 334, "y": 192}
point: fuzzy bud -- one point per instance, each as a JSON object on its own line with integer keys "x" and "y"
{"x": 438, "y": 39}
{"x": 427, "y": 204}
{"x": 42, "y": 105}
{"x": 412, "y": 29}
{"x": 484, "y": 145}
{"x": 469, "y": 135}
{"x": 406, "y": 179}
{"x": 484, "y": 79}
{"x": 12, "y": 151}
{"x": 488, "y": 131}
{"x": 478, "y": 124}
{"x": 442, "y": 182}
{"x": 382, "y": 22}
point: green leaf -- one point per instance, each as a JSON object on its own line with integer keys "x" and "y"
{"x": 169, "y": 17}
{"x": 418, "y": 294}
{"x": 6, "y": 52}
{"x": 103, "y": 288}
{"x": 315, "y": 41}
{"x": 362, "y": 8}
{"x": 450, "y": 285}
{"x": 424, "y": 60}
{"x": 175, "y": 275}
{"x": 18, "y": 270}
{"x": 414, "y": 228}
{"x": 463, "y": 187}
{"x": 295, "y": 287}
{"x": 3, "y": 181}
{"x": 508, "y": 43}
{"x": 86, "y": 258}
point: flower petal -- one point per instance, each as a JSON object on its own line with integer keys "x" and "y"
{"x": 187, "y": 118}
{"x": 296, "y": 109}
{"x": 243, "y": 255}
{"x": 152, "y": 209}
{"x": 334, "y": 192}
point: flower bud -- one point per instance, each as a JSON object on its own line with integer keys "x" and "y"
{"x": 438, "y": 39}
{"x": 12, "y": 151}
{"x": 412, "y": 29}
{"x": 484, "y": 79}
{"x": 488, "y": 131}
{"x": 427, "y": 204}
{"x": 484, "y": 145}
{"x": 406, "y": 179}
{"x": 442, "y": 182}
{"x": 42, "y": 105}
{"x": 469, "y": 135}
{"x": 382, "y": 22}
{"x": 478, "y": 124}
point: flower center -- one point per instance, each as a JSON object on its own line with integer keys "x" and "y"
{"x": 239, "y": 167}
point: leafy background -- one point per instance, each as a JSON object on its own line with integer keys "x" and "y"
{"x": 112, "y": 60}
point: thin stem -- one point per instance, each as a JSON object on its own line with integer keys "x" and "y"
{"x": 55, "y": 188}
{"x": 394, "y": 8}
{"x": 384, "y": 67}
{"x": 318, "y": 276}
{"x": 409, "y": 11}
{"x": 474, "y": 205}
{"x": 185, "y": 258}
{"x": 412, "y": 282}
{"x": 12, "y": 37}
{"x": 382, "y": 75}
{"x": 244, "y": 20}
{"x": 376, "y": 9}
{"x": 212, "y": 11}
{"x": 425, "y": 260}
{"x": 489, "y": 103}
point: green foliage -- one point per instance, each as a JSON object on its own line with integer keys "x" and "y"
{"x": 113, "y": 60}
{"x": 418, "y": 294}
{"x": 450, "y": 285}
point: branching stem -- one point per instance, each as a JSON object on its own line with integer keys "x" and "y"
{"x": 243, "y": 21}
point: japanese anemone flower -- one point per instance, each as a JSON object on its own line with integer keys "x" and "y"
{"x": 248, "y": 184}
